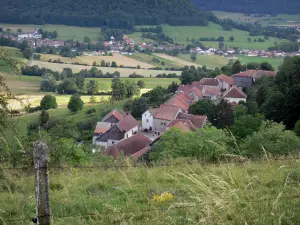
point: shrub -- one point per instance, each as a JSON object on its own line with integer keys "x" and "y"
{"x": 48, "y": 102}
{"x": 75, "y": 104}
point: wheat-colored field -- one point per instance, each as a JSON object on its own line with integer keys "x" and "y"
{"x": 124, "y": 71}
{"x": 177, "y": 60}
{"x": 89, "y": 60}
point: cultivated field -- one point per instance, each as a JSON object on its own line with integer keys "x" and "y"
{"x": 177, "y": 60}
{"x": 181, "y": 34}
{"x": 64, "y": 32}
{"x": 137, "y": 37}
{"x": 211, "y": 61}
{"x": 89, "y": 60}
{"x": 276, "y": 62}
{"x": 150, "y": 58}
{"x": 124, "y": 72}
{"x": 264, "y": 192}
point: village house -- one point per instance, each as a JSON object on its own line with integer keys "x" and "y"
{"x": 180, "y": 100}
{"x": 30, "y": 35}
{"x": 247, "y": 78}
{"x": 187, "y": 122}
{"x": 135, "y": 146}
{"x": 114, "y": 127}
{"x": 226, "y": 81}
{"x": 157, "y": 119}
{"x": 234, "y": 95}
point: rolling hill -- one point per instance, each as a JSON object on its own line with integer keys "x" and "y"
{"x": 110, "y": 13}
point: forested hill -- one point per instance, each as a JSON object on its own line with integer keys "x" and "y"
{"x": 96, "y": 13}
{"x": 254, "y": 6}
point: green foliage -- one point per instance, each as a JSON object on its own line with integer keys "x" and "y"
{"x": 68, "y": 86}
{"x": 48, "y": 83}
{"x": 90, "y": 111}
{"x": 203, "y": 107}
{"x": 237, "y": 67}
{"x": 128, "y": 105}
{"x": 139, "y": 106}
{"x": 48, "y": 102}
{"x": 288, "y": 75}
{"x": 240, "y": 110}
{"x": 44, "y": 117}
{"x": 209, "y": 144}
{"x": 297, "y": 128}
{"x": 132, "y": 89}
{"x": 193, "y": 57}
{"x": 246, "y": 125}
{"x": 266, "y": 66}
{"x": 223, "y": 115}
{"x": 27, "y": 53}
{"x": 141, "y": 84}
{"x": 253, "y": 66}
{"x": 92, "y": 87}
{"x": 173, "y": 87}
{"x": 118, "y": 89}
{"x": 273, "y": 108}
{"x": 75, "y": 104}
{"x": 270, "y": 138}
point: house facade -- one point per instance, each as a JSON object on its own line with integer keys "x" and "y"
{"x": 235, "y": 95}
{"x": 114, "y": 127}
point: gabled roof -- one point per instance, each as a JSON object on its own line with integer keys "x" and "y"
{"x": 165, "y": 112}
{"x": 226, "y": 79}
{"x": 184, "y": 125}
{"x": 127, "y": 123}
{"x": 255, "y": 74}
{"x": 181, "y": 100}
{"x": 102, "y": 127}
{"x": 234, "y": 92}
{"x": 209, "y": 82}
{"x": 194, "y": 87}
{"x": 129, "y": 146}
{"x": 209, "y": 91}
{"x": 197, "y": 121}
{"x": 116, "y": 113}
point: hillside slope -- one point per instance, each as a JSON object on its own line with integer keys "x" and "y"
{"x": 111, "y": 13}
{"x": 254, "y": 6}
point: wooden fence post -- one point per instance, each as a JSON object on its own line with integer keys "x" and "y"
{"x": 42, "y": 183}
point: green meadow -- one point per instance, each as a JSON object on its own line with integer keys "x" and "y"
{"x": 211, "y": 61}
{"x": 275, "y": 62}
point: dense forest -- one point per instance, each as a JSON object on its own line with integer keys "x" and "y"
{"x": 99, "y": 13}
{"x": 255, "y": 6}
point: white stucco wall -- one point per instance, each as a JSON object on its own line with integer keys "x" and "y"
{"x": 225, "y": 85}
{"x": 147, "y": 121}
{"x": 236, "y": 100}
{"x": 131, "y": 132}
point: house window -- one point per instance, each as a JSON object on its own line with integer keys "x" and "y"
{"x": 147, "y": 121}
{"x": 126, "y": 135}
{"x": 112, "y": 142}
{"x": 162, "y": 123}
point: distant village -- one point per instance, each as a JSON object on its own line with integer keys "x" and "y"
{"x": 120, "y": 133}
{"x": 128, "y": 46}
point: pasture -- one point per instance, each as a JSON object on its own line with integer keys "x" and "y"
{"x": 275, "y": 62}
{"x": 211, "y": 61}
{"x": 89, "y": 60}
{"x": 137, "y": 37}
{"x": 155, "y": 60}
{"x": 64, "y": 32}
{"x": 265, "y": 20}
{"x": 265, "y": 192}
{"x": 124, "y": 71}
{"x": 181, "y": 34}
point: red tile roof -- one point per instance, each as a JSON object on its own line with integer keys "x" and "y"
{"x": 116, "y": 113}
{"x": 127, "y": 123}
{"x": 102, "y": 127}
{"x": 197, "y": 121}
{"x": 184, "y": 125}
{"x": 209, "y": 91}
{"x": 165, "y": 112}
{"x": 226, "y": 79}
{"x": 209, "y": 81}
{"x": 256, "y": 74}
{"x": 186, "y": 89}
{"x": 234, "y": 92}
{"x": 129, "y": 146}
{"x": 181, "y": 100}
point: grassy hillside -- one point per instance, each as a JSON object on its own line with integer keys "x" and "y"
{"x": 265, "y": 20}
{"x": 276, "y": 62}
{"x": 254, "y": 193}
{"x": 211, "y": 61}
{"x": 181, "y": 33}
{"x": 64, "y": 32}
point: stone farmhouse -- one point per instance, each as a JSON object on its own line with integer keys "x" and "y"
{"x": 114, "y": 127}
{"x": 247, "y": 78}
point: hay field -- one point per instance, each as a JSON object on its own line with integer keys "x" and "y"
{"x": 177, "y": 60}
{"x": 89, "y": 60}
{"x": 211, "y": 61}
{"x": 124, "y": 71}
